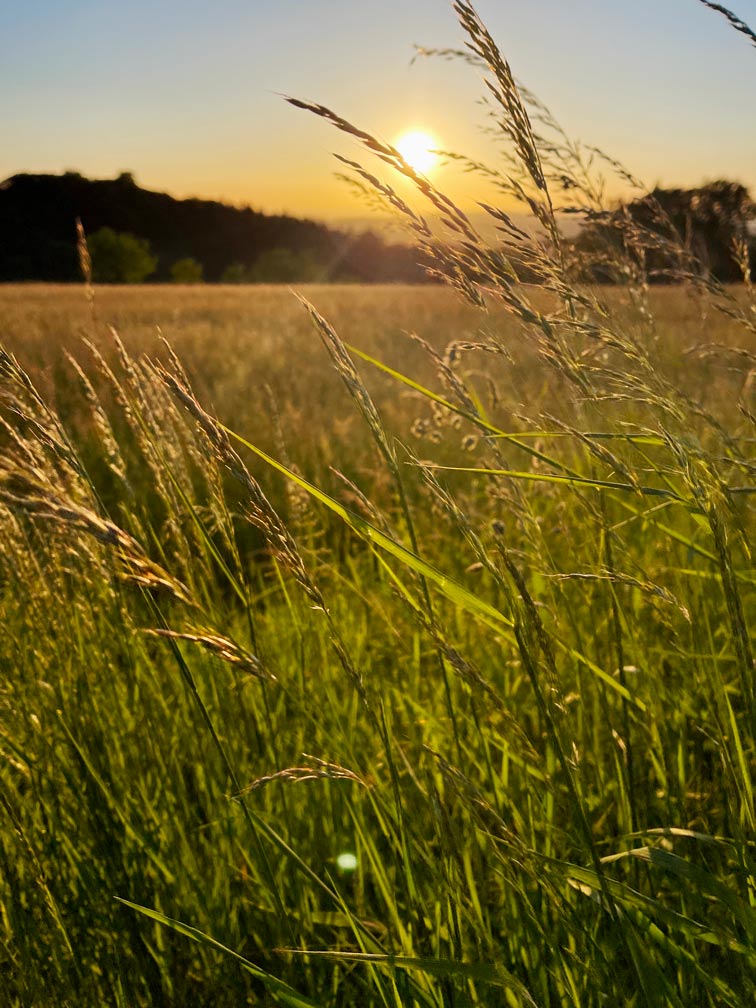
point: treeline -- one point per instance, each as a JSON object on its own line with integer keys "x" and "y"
{"x": 137, "y": 234}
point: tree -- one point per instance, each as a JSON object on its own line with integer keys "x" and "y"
{"x": 236, "y": 273}
{"x": 671, "y": 232}
{"x": 120, "y": 258}
{"x": 283, "y": 265}
{"x": 186, "y": 271}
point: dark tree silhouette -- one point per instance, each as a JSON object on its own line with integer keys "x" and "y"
{"x": 38, "y": 234}
{"x": 672, "y": 232}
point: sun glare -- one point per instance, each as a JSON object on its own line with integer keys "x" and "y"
{"x": 418, "y": 150}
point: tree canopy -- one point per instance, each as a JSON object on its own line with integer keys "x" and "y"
{"x": 120, "y": 258}
{"x": 186, "y": 271}
{"x": 673, "y": 232}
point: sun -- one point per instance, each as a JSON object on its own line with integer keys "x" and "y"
{"x": 418, "y": 149}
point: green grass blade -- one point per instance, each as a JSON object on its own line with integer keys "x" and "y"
{"x": 569, "y": 481}
{"x": 286, "y": 994}
{"x": 454, "y": 591}
{"x": 493, "y": 974}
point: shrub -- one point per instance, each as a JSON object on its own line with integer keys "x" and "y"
{"x": 120, "y": 257}
{"x": 236, "y": 273}
{"x": 186, "y": 271}
{"x": 282, "y": 265}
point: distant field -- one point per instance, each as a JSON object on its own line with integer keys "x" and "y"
{"x": 474, "y": 715}
{"x": 249, "y": 347}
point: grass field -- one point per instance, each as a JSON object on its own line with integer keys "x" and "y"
{"x": 521, "y": 698}
{"x": 382, "y": 647}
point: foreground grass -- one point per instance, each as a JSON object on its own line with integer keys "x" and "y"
{"x": 541, "y": 760}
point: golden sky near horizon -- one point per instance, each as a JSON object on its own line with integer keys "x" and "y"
{"x": 188, "y": 97}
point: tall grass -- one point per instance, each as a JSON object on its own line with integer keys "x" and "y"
{"x": 458, "y": 710}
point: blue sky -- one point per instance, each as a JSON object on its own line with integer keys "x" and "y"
{"x": 186, "y": 95}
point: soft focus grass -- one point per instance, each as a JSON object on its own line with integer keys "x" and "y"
{"x": 479, "y": 767}
{"x": 253, "y": 355}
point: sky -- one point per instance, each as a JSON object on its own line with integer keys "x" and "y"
{"x": 187, "y": 95}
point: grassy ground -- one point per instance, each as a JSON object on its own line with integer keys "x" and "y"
{"x": 520, "y": 695}
{"x": 255, "y": 358}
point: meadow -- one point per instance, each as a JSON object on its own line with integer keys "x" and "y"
{"x": 517, "y": 700}
{"x": 385, "y": 646}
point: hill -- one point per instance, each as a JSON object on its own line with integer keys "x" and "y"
{"x": 38, "y": 228}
